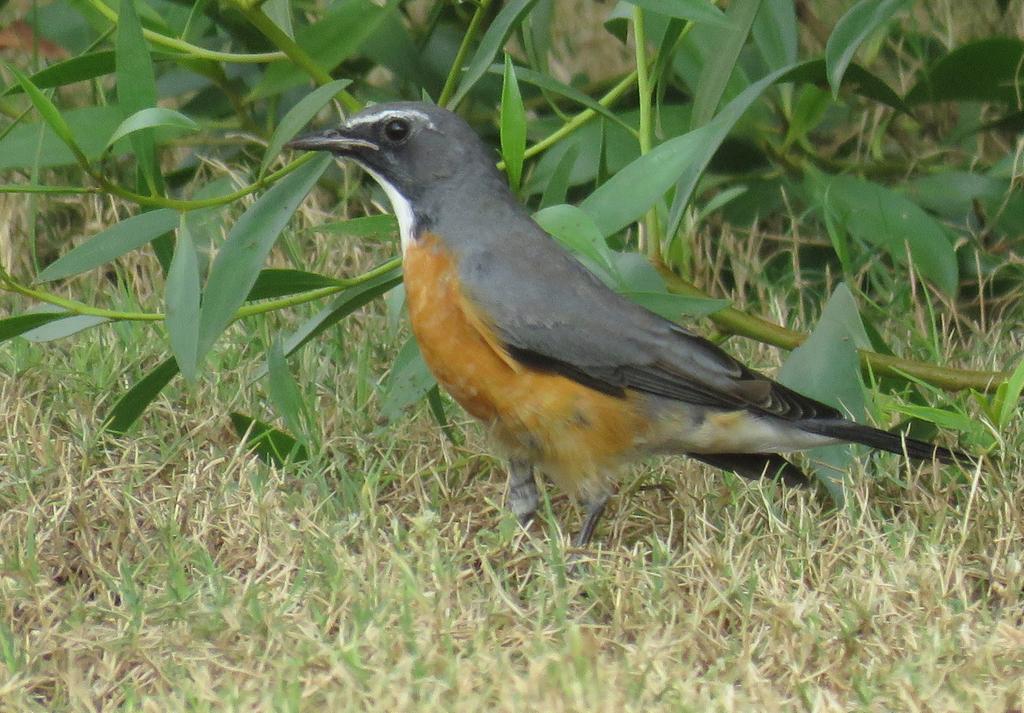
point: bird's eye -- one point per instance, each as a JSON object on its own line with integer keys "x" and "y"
{"x": 397, "y": 130}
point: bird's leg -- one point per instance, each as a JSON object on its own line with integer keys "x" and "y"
{"x": 593, "y": 505}
{"x": 523, "y": 497}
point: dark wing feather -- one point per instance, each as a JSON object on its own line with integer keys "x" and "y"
{"x": 567, "y": 321}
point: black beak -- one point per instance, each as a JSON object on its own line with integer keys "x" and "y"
{"x": 333, "y": 140}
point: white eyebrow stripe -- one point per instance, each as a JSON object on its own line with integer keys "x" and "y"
{"x": 388, "y": 113}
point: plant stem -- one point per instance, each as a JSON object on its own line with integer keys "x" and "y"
{"x": 295, "y": 53}
{"x": 184, "y": 205}
{"x": 732, "y": 321}
{"x": 80, "y": 308}
{"x": 651, "y": 235}
{"x": 582, "y": 118}
{"x": 311, "y": 295}
{"x": 189, "y": 49}
{"x": 467, "y": 39}
{"x": 75, "y": 307}
{"x": 36, "y": 188}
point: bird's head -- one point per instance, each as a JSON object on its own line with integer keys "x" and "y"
{"x": 413, "y": 150}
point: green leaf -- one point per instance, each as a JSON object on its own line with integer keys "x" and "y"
{"x": 284, "y": 391}
{"x": 775, "y": 33}
{"x": 983, "y": 70}
{"x": 850, "y": 32}
{"x": 965, "y": 423}
{"x": 332, "y": 40}
{"x": 238, "y": 262}
{"x": 131, "y": 405}
{"x": 672, "y": 42}
{"x": 181, "y": 296}
{"x": 856, "y": 79}
{"x": 718, "y": 67}
{"x": 278, "y": 283}
{"x": 280, "y": 13}
{"x": 720, "y": 200}
{"x": 691, "y": 166}
{"x": 206, "y": 225}
{"x": 629, "y": 193}
{"x": 343, "y": 305}
{"x": 151, "y": 118}
{"x": 392, "y": 45}
{"x": 550, "y": 84}
{"x": 1009, "y": 394}
{"x": 19, "y": 324}
{"x": 490, "y": 44}
{"x": 513, "y": 126}
{"x": 694, "y": 10}
{"x": 62, "y": 328}
{"x": 953, "y": 193}
{"x": 88, "y": 127}
{"x": 880, "y": 216}
{"x": 437, "y": 410}
{"x": 375, "y": 227}
{"x": 576, "y": 230}
{"x": 111, "y": 243}
{"x": 270, "y": 445}
{"x": 826, "y": 367}
{"x": 136, "y": 89}
{"x": 672, "y": 306}
{"x": 49, "y": 112}
{"x": 298, "y": 116}
{"x": 76, "y": 69}
{"x": 557, "y": 186}
{"x": 408, "y": 381}
{"x": 808, "y": 111}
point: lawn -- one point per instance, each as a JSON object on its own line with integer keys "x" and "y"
{"x": 173, "y": 570}
{"x": 172, "y": 567}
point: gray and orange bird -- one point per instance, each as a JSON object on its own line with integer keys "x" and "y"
{"x": 572, "y": 379}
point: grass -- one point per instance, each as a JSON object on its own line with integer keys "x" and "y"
{"x": 171, "y": 570}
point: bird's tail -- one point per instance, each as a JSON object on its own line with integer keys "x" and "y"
{"x": 883, "y": 440}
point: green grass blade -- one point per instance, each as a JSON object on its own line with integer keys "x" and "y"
{"x": 134, "y": 401}
{"x": 19, "y": 324}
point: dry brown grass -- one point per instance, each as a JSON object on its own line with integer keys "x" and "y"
{"x": 170, "y": 570}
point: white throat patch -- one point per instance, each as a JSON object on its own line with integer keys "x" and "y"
{"x": 402, "y": 209}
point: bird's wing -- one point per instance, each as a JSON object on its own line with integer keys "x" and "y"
{"x": 551, "y": 313}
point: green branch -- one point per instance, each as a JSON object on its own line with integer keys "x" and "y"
{"x": 187, "y": 205}
{"x": 651, "y": 233}
{"x": 582, "y": 118}
{"x": 732, "y": 321}
{"x": 190, "y": 49}
{"x": 452, "y": 79}
{"x": 74, "y": 306}
{"x": 258, "y": 19}
{"x": 9, "y": 284}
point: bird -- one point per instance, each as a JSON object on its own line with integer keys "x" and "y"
{"x": 573, "y": 381}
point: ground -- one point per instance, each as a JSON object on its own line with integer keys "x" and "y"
{"x": 172, "y": 570}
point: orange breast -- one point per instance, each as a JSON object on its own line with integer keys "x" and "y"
{"x": 574, "y": 433}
